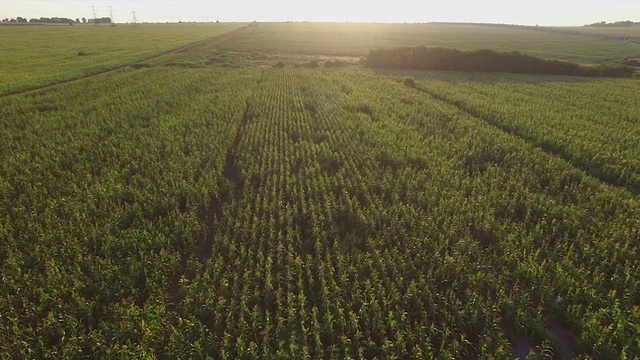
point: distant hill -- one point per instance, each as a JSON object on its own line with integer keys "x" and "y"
{"x": 627, "y": 23}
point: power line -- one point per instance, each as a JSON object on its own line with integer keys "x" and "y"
{"x": 134, "y": 21}
{"x": 95, "y": 17}
{"x": 113, "y": 22}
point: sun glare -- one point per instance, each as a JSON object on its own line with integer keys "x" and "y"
{"x": 553, "y": 13}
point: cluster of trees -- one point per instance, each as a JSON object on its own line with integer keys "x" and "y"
{"x": 102, "y": 20}
{"x": 627, "y": 23}
{"x": 19, "y": 19}
{"x": 57, "y": 20}
{"x": 424, "y": 58}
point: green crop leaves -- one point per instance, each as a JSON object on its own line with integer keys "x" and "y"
{"x": 258, "y": 213}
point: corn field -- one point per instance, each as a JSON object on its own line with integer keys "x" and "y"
{"x": 173, "y": 212}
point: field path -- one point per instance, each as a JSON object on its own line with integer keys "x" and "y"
{"x": 212, "y": 218}
{"x": 233, "y": 32}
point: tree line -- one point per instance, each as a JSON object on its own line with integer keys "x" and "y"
{"x": 627, "y": 23}
{"x": 424, "y": 58}
{"x": 57, "y": 20}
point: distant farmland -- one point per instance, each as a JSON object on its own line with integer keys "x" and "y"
{"x": 358, "y": 39}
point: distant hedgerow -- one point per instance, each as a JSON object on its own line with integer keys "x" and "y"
{"x": 424, "y": 58}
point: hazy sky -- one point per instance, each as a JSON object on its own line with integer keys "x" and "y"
{"x": 542, "y": 12}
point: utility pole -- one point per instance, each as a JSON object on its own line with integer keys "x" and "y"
{"x": 95, "y": 17}
{"x": 134, "y": 21}
{"x": 113, "y": 22}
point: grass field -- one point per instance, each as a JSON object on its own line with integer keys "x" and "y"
{"x": 219, "y": 204}
{"x": 39, "y": 55}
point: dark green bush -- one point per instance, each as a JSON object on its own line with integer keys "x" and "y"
{"x": 410, "y": 82}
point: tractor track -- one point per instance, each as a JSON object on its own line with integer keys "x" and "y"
{"x": 203, "y": 247}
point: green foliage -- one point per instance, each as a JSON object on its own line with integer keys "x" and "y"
{"x": 174, "y": 212}
{"x": 409, "y": 81}
{"x": 423, "y": 58}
